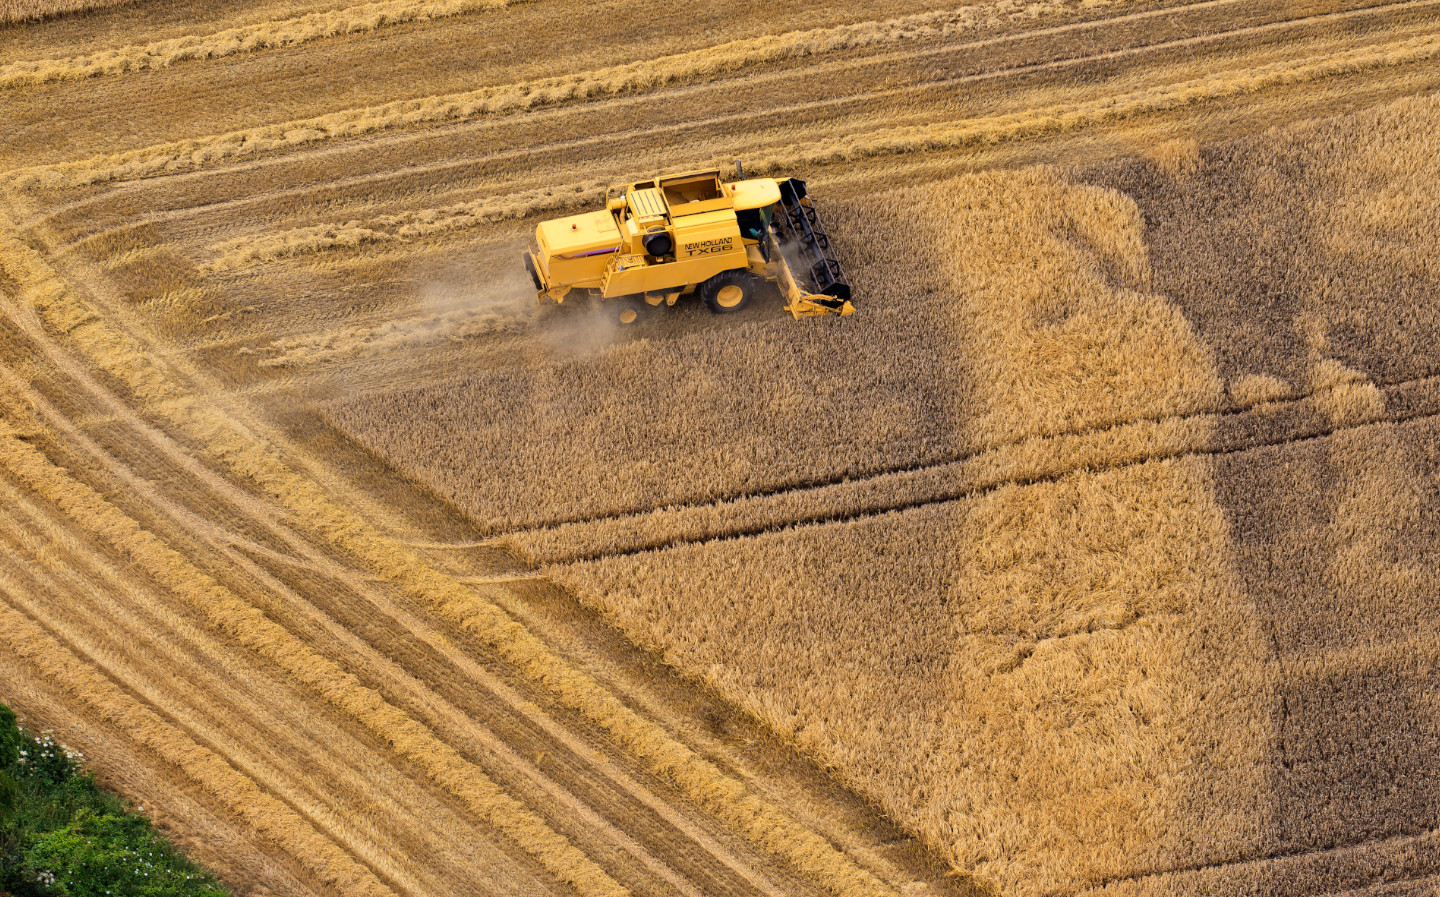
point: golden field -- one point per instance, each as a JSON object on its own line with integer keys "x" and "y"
{"x": 1093, "y": 555}
{"x": 34, "y": 10}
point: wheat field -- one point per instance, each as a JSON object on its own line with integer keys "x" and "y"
{"x": 1094, "y": 555}
{"x": 34, "y": 10}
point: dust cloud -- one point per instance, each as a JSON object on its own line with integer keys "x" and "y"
{"x": 456, "y": 309}
{"x": 580, "y": 327}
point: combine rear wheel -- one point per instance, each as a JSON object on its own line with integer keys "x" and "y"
{"x": 534, "y": 275}
{"x": 728, "y": 291}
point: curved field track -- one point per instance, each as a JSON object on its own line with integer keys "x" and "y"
{"x": 364, "y": 576}
{"x": 282, "y": 667}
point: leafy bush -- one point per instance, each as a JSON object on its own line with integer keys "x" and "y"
{"x": 61, "y": 835}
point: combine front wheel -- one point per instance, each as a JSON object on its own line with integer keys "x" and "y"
{"x": 728, "y": 291}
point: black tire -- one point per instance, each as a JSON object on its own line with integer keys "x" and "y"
{"x": 719, "y": 291}
{"x": 534, "y": 275}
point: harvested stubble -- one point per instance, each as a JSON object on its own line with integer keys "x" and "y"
{"x": 230, "y": 614}
{"x": 34, "y": 10}
{"x": 777, "y": 158}
{"x": 249, "y": 626}
{"x": 413, "y": 334}
{"x": 400, "y": 227}
{"x": 273, "y": 733}
{"x": 613, "y": 80}
{"x": 269, "y": 816}
{"x": 231, "y": 447}
{"x": 241, "y": 39}
{"x": 186, "y": 154}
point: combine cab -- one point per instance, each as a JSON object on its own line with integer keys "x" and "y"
{"x": 694, "y": 233}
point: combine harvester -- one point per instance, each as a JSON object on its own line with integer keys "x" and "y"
{"x": 688, "y": 233}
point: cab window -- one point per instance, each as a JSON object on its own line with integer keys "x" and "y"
{"x": 754, "y": 222}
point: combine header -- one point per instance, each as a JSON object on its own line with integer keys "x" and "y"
{"x": 688, "y": 233}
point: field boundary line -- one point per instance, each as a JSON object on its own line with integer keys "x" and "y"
{"x": 230, "y": 615}
{"x": 144, "y": 691}
{"x": 436, "y": 705}
{"x": 525, "y": 96}
{"x": 970, "y": 492}
{"x": 272, "y": 34}
{"x": 420, "y": 224}
{"x": 247, "y": 625}
{"x": 258, "y": 809}
{"x": 238, "y": 448}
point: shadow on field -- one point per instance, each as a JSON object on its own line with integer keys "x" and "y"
{"x": 1346, "y": 592}
{"x": 1288, "y": 252}
{"x": 1284, "y": 244}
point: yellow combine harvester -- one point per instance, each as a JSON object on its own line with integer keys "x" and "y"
{"x": 688, "y": 233}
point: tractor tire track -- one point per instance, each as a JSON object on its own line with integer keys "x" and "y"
{"x": 723, "y": 91}
{"x": 375, "y": 667}
{"x": 239, "y": 39}
{"x": 1421, "y": 841}
{"x": 123, "y": 763}
{"x": 182, "y": 707}
{"x": 860, "y": 479}
{"x": 1427, "y": 408}
{"x": 260, "y": 512}
{"x": 258, "y": 742}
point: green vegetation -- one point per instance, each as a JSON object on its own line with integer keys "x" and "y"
{"x": 61, "y": 835}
